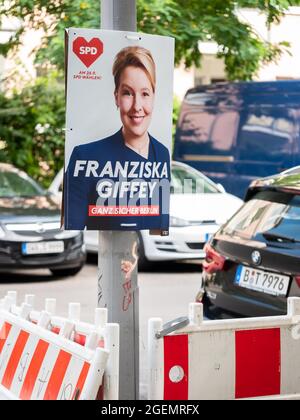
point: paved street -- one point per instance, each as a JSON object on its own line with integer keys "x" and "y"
{"x": 164, "y": 292}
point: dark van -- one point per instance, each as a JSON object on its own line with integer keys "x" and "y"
{"x": 237, "y": 132}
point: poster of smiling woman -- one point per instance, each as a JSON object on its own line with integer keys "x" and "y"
{"x": 118, "y": 130}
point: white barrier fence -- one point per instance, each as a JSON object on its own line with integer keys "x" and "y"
{"x": 43, "y": 356}
{"x": 226, "y": 359}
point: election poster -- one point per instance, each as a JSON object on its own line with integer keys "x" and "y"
{"x": 118, "y": 130}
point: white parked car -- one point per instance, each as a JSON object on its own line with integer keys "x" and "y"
{"x": 198, "y": 208}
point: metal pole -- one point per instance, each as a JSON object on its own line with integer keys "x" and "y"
{"x": 117, "y": 284}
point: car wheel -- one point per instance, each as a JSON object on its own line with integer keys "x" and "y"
{"x": 144, "y": 263}
{"x": 66, "y": 272}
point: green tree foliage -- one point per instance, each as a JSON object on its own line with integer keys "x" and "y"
{"x": 189, "y": 21}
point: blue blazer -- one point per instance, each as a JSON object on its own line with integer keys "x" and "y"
{"x": 80, "y": 191}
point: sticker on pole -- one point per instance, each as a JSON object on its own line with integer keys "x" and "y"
{"x": 119, "y": 131}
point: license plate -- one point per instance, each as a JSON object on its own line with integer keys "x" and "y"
{"x": 262, "y": 281}
{"x": 38, "y": 248}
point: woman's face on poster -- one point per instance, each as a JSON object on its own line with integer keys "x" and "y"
{"x": 135, "y": 98}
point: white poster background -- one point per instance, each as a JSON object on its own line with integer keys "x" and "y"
{"x": 91, "y": 110}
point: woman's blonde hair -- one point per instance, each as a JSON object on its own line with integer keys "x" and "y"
{"x": 137, "y": 57}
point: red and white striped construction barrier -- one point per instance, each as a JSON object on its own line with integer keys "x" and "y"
{"x": 43, "y": 356}
{"x": 226, "y": 359}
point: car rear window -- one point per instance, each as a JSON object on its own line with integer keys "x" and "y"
{"x": 269, "y": 217}
{"x": 15, "y": 184}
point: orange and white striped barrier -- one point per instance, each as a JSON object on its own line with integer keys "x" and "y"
{"x": 226, "y": 359}
{"x": 43, "y": 356}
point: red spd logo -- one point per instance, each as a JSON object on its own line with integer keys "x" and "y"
{"x": 88, "y": 52}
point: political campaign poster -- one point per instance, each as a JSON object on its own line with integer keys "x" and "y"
{"x": 118, "y": 130}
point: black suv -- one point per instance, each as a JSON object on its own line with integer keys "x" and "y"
{"x": 253, "y": 262}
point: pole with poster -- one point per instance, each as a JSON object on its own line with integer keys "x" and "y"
{"x": 117, "y": 157}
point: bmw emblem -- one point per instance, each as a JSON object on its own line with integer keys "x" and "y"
{"x": 256, "y": 257}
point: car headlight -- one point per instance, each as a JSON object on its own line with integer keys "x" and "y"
{"x": 177, "y": 222}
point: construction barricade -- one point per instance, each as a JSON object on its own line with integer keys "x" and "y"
{"x": 193, "y": 359}
{"x": 46, "y": 357}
